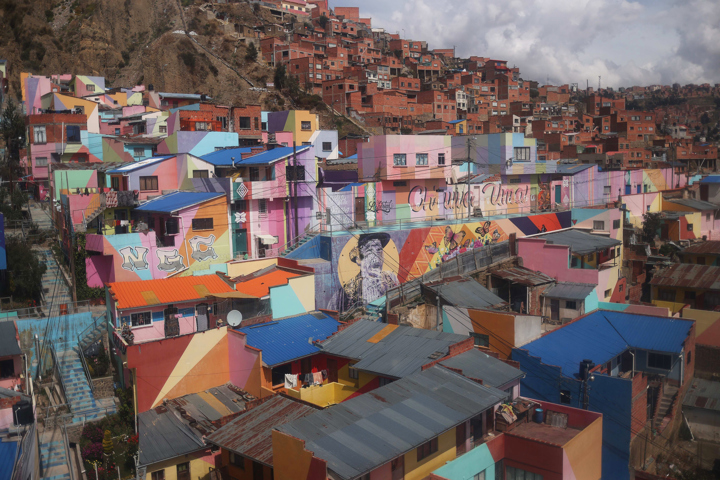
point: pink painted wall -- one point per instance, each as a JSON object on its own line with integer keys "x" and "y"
{"x": 552, "y": 260}
{"x": 242, "y": 358}
{"x": 9, "y": 383}
{"x": 283, "y": 138}
{"x": 156, "y": 329}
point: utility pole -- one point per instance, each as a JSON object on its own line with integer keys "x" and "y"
{"x": 295, "y": 182}
{"x": 467, "y": 194}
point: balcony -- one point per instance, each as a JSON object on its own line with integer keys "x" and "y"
{"x": 323, "y": 395}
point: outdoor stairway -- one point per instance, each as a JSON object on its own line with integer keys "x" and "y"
{"x": 376, "y": 308}
{"x": 54, "y": 463}
{"x": 77, "y": 391}
{"x": 303, "y": 240}
{"x": 55, "y": 291}
{"x": 92, "y": 335}
{"x": 664, "y": 408}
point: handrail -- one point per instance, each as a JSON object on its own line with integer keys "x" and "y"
{"x": 56, "y": 361}
{"x": 87, "y": 371}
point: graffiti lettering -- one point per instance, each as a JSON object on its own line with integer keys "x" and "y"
{"x": 380, "y": 206}
{"x": 503, "y": 196}
{"x": 170, "y": 260}
{"x": 134, "y": 258}
{"x": 419, "y": 199}
{"x": 202, "y": 255}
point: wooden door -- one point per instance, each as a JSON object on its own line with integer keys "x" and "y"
{"x": 332, "y": 370}
{"x": 460, "y": 438}
{"x": 554, "y": 309}
{"x": 397, "y": 468}
{"x": 359, "y": 209}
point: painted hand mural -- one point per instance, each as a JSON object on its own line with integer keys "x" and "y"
{"x": 375, "y": 274}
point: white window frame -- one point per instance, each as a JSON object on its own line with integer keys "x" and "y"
{"x": 399, "y": 159}
{"x": 146, "y": 315}
{"x": 40, "y": 134}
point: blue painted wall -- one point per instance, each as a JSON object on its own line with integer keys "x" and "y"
{"x": 284, "y": 302}
{"x": 3, "y": 255}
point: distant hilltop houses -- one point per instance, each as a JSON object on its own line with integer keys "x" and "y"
{"x": 489, "y": 278}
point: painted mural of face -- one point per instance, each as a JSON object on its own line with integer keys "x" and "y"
{"x": 372, "y": 259}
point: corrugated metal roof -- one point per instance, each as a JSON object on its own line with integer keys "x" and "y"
{"x": 360, "y": 434}
{"x": 270, "y": 156}
{"x": 176, "y": 201}
{"x": 141, "y": 164}
{"x": 692, "y": 203}
{"x": 165, "y": 434}
{"x": 596, "y": 338}
{"x": 711, "y": 247}
{"x": 349, "y": 187}
{"x": 570, "y": 291}
{"x": 524, "y": 276}
{"x": 287, "y": 339}
{"x": 250, "y": 434}
{"x": 703, "y": 394}
{"x": 571, "y": 169}
{"x": 260, "y": 286}
{"x": 710, "y": 179}
{"x": 224, "y": 158}
{"x": 9, "y": 342}
{"x": 7, "y": 459}
{"x": 711, "y": 335}
{"x": 388, "y": 350}
{"x": 166, "y": 290}
{"x": 476, "y": 364}
{"x": 688, "y": 275}
{"x": 579, "y": 242}
{"x": 467, "y": 293}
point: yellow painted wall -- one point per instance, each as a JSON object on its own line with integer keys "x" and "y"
{"x": 678, "y": 303}
{"x": 199, "y": 467}
{"x": 304, "y": 288}
{"x": 415, "y": 470}
{"x": 585, "y": 453}
{"x": 323, "y": 395}
{"x": 693, "y": 258}
{"x": 290, "y": 459}
{"x": 299, "y": 116}
{"x": 236, "y": 269}
{"x": 703, "y": 318}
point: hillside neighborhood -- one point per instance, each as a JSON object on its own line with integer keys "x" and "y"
{"x": 374, "y": 260}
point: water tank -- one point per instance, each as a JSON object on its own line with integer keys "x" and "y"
{"x": 538, "y": 415}
{"x": 585, "y": 367}
{"x": 22, "y": 413}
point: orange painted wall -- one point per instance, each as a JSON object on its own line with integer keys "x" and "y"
{"x": 585, "y": 453}
{"x": 293, "y": 462}
{"x": 502, "y": 327}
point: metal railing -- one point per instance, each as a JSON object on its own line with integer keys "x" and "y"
{"x": 56, "y": 367}
{"x": 81, "y": 350}
{"x": 292, "y": 243}
{"x": 42, "y": 311}
{"x": 81, "y": 354}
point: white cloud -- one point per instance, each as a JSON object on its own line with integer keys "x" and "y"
{"x": 626, "y": 42}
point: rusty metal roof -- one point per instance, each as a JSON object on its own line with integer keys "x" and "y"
{"x": 250, "y": 434}
{"x": 703, "y": 277}
{"x": 711, "y": 247}
{"x": 703, "y": 394}
{"x": 524, "y": 276}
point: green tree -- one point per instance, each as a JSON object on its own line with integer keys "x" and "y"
{"x": 322, "y": 21}
{"x": 24, "y": 271}
{"x": 12, "y": 129}
{"x": 280, "y": 77}
{"x": 83, "y": 291}
{"x": 652, "y": 221}
{"x": 705, "y": 118}
{"x": 107, "y": 443}
{"x": 251, "y": 53}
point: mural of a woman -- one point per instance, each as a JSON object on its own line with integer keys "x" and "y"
{"x": 373, "y": 278}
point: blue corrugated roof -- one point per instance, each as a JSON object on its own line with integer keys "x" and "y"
{"x": 270, "y": 156}
{"x": 603, "y": 335}
{"x": 711, "y": 179}
{"x": 172, "y": 202}
{"x": 141, "y": 164}
{"x": 453, "y": 122}
{"x": 223, "y": 158}
{"x": 348, "y": 188}
{"x": 287, "y": 339}
{"x": 7, "y": 459}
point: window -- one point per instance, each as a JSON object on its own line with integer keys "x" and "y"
{"x": 421, "y": 159}
{"x": 295, "y": 173}
{"x": 41, "y": 162}
{"x": 659, "y": 360}
{"x": 73, "y": 133}
{"x": 353, "y": 372}
{"x": 480, "y": 339}
{"x": 565, "y": 397}
{"x": 570, "y": 305}
{"x": 608, "y": 293}
{"x": 90, "y": 88}
{"x": 399, "y": 159}
{"x": 244, "y": 123}
{"x": 606, "y": 189}
{"x": 666, "y": 295}
{"x": 689, "y": 295}
{"x": 117, "y": 131}
{"x": 327, "y": 146}
{"x": 616, "y": 224}
{"x": 148, "y": 183}
{"x": 427, "y": 449}
{"x": 140, "y": 319}
{"x": 262, "y": 206}
{"x": 202, "y": 126}
{"x": 305, "y": 126}
{"x": 138, "y": 152}
{"x": 237, "y": 461}
{"x": 522, "y": 154}
{"x": 183, "y": 471}
{"x": 400, "y": 183}
{"x": 689, "y": 357}
{"x": 202, "y": 223}
{"x": 40, "y": 134}
{"x": 254, "y": 174}
{"x": 159, "y": 475}
{"x": 512, "y": 473}
{"x": 200, "y": 174}
{"x": 256, "y": 122}
{"x": 598, "y": 225}
{"x": 382, "y": 381}
{"x": 689, "y": 227}
{"x": 479, "y": 476}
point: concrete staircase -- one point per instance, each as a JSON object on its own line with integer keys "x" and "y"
{"x": 54, "y": 461}
{"x": 83, "y": 405}
{"x": 303, "y": 240}
{"x": 55, "y": 290}
{"x": 664, "y": 408}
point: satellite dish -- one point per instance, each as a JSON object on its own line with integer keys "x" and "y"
{"x": 234, "y": 318}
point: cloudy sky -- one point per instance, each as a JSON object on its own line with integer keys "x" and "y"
{"x": 628, "y": 43}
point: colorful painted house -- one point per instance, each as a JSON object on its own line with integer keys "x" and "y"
{"x": 301, "y": 123}
{"x": 61, "y": 102}
{"x": 696, "y": 219}
{"x": 626, "y": 366}
{"x": 172, "y": 436}
{"x": 694, "y": 285}
{"x": 177, "y": 233}
{"x": 196, "y": 143}
{"x": 84, "y": 86}
{"x": 703, "y": 253}
{"x": 284, "y": 289}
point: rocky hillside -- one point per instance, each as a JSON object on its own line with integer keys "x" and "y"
{"x": 136, "y": 41}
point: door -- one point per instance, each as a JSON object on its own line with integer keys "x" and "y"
{"x": 476, "y": 429}
{"x": 558, "y": 194}
{"x": 639, "y": 189}
{"x": 704, "y": 192}
{"x": 172, "y": 323}
{"x": 241, "y": 241}
{"x": 257, "y": 471}
{"x": 397, "y": 468}
{"x": 359, "y": 209}
{"x": 460, "y": 438}
{"x": 120, "y": 215}
{"x": 554, "y": 309}
{"x": 332, "y": 370}
{"x": 183, "y": 471}
{"x": 628, "y": 189}
{"x": 201, "y": 317}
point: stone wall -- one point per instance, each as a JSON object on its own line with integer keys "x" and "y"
{"x": 104, "y": 387}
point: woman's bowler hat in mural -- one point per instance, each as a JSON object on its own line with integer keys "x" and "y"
{"x": 364, "y": 239}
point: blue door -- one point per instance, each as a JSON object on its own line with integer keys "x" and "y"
{"x": 639, "y": 189}
{"x": 558, "y": 194}
{"x": 628, "y": 189}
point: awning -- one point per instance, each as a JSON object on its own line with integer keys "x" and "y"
{"x": 268, "y": 239}
{"x": 232, "y": 295}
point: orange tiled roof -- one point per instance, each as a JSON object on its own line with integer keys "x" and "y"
{"x": 260, "y": 286}
{"x": 145, "y": 293}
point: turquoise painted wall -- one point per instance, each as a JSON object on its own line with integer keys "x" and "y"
{"x": 591, "y": 302}
{"x": 468, "y": 465}
{"x": 284, "y": 302}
